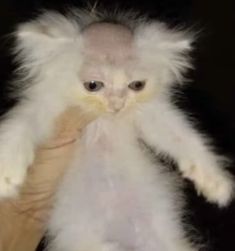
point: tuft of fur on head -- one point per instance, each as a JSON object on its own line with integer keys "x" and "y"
{"x": 165, "y": 49}
{"x": 49, "y": 50}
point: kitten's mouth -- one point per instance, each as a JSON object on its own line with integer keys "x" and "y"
{"x": 118, "y": 113}
{"x": 115, "y": 111}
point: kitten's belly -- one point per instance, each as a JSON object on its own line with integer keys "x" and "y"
{"x": 124, "y": 208}
{"x": 118, "y": 194}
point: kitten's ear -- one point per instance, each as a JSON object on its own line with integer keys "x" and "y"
{"x": 43, "y": 36}
{"x": 167, "y": 49}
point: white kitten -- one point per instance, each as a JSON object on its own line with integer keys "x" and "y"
{"x": 119, "y": 71}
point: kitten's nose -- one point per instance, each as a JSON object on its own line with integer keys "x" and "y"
{"x": 116, "y": 104}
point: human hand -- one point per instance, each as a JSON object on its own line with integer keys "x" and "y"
{"x": 23, "y": 220}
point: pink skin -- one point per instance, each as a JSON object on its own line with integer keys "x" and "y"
{"x": 106, "y": 41}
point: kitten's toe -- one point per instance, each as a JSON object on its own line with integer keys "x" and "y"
{"x": 217, "y": 188}
{"x": 14, "y": 162}
{"x": 11, "y": 178}
{"x": 215, "y": 184}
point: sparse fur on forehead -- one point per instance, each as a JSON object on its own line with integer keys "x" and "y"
{"x": 113, "y": 42}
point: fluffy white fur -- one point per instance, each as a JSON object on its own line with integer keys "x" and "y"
{"x": 49, "y": 50}
{"x": 115, "y": 197}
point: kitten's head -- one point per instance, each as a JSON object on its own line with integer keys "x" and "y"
{"x": 113, "y": 78}
{"x": 108, "y": 67}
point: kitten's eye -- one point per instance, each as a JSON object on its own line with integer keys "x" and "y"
{"x": 93, "y": 86}
{"x": 137, "y": 85}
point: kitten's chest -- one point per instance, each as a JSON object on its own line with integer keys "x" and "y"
{"x": 107, "y": 136}
{"x": 113, "y": 163}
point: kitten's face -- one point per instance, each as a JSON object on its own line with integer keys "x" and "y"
{"x": 111, "y": 89}
{"x": 112, "y": 78}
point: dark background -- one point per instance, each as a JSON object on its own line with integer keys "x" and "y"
{"x": 210, "y": 97}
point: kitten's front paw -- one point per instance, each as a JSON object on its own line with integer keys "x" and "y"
{"x": 215, "y": 184}
{"x": 10, "y": 180}
{"x": 13, "y": 169}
